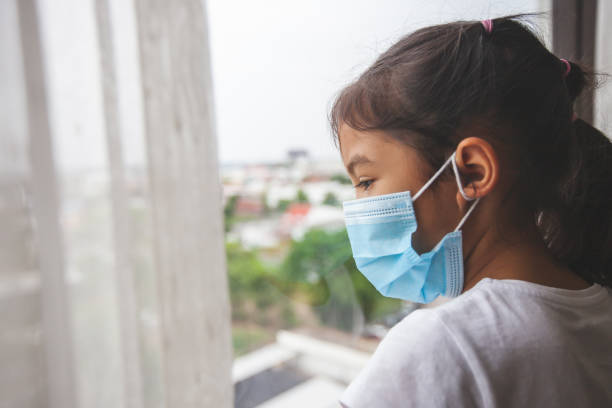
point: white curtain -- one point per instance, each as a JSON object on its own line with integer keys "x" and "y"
{"x": 113, "y": 289}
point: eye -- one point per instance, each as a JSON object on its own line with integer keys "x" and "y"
{"x": 365, "y": 184}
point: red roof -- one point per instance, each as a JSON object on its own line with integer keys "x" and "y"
{"x": 298, "y": 209}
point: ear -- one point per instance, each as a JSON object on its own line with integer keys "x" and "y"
{"x": 478, "y": 167}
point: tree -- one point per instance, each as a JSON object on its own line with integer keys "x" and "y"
{"x": 228, "y": 212}
{"x": 331, "y": 199}
{"x": 282, "y": 205}
{"x": 301, "y": 197}
{"x": 251, "y": 281}
{"x": 323, "y": 265}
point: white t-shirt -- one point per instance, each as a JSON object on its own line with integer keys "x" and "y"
{"x": 503, "y": 343}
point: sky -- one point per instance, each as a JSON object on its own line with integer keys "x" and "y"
{"x": 278, "y": 64}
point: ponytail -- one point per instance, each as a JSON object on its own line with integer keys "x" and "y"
{"x": 579, "y": 229}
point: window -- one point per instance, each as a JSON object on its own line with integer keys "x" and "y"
{"x": 171, "y": 199}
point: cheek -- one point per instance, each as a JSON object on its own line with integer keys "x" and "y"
{"x": 423, "y": 240}
{"x": 436, "y": 216}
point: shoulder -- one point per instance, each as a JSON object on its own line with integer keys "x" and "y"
{"x": 417, "y": 363}
{"x": 484, "y": 345}
{"x": 423, "y": 329}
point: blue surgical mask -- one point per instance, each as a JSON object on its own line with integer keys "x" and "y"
{"x": 380, "y": 231}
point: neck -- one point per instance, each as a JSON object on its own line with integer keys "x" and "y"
{"x": 518, "y": 254}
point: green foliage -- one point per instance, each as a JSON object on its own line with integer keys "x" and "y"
{"x": 282, "y": 205}
{"x": 301, "y": 197}
{"x": 228, "y": 212}
{"x": 230, "y": 206}
{"x": 331, "y": 199}
{"x": 317, "y": 253}
{"x": 318, "y": 270}
{"x": 244, "y": 270}
{"x": 253, "y": 292}
{"x": 247, "y": 339}
{"x": 373, "y": 304}
{"x": 341, "y": 178}
{"x": 325, "y": 260}
{"x": 288, "y": 316}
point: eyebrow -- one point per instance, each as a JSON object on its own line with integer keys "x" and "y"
{"x": 357, "y": 160}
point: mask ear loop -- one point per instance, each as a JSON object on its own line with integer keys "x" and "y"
{"x": 456, "y": 171}
{"x": 467, "y": 214}
{"x": 433, "y": 178}
{"x": 463, "y": 193}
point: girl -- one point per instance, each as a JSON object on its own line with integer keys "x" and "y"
{"x": 466, "y": 129}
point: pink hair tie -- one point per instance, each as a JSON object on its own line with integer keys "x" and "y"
{"x": 574, "y": 117}
{"x": 488, "y": 25}
{"x": 568, "y": 67}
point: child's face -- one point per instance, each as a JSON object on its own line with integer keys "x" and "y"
{"x": 379, "y": 164}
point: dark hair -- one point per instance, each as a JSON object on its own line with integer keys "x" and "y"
{"x": 440, "y": 80}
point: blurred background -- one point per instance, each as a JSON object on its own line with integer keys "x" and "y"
{"x": 170, "y": 196}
